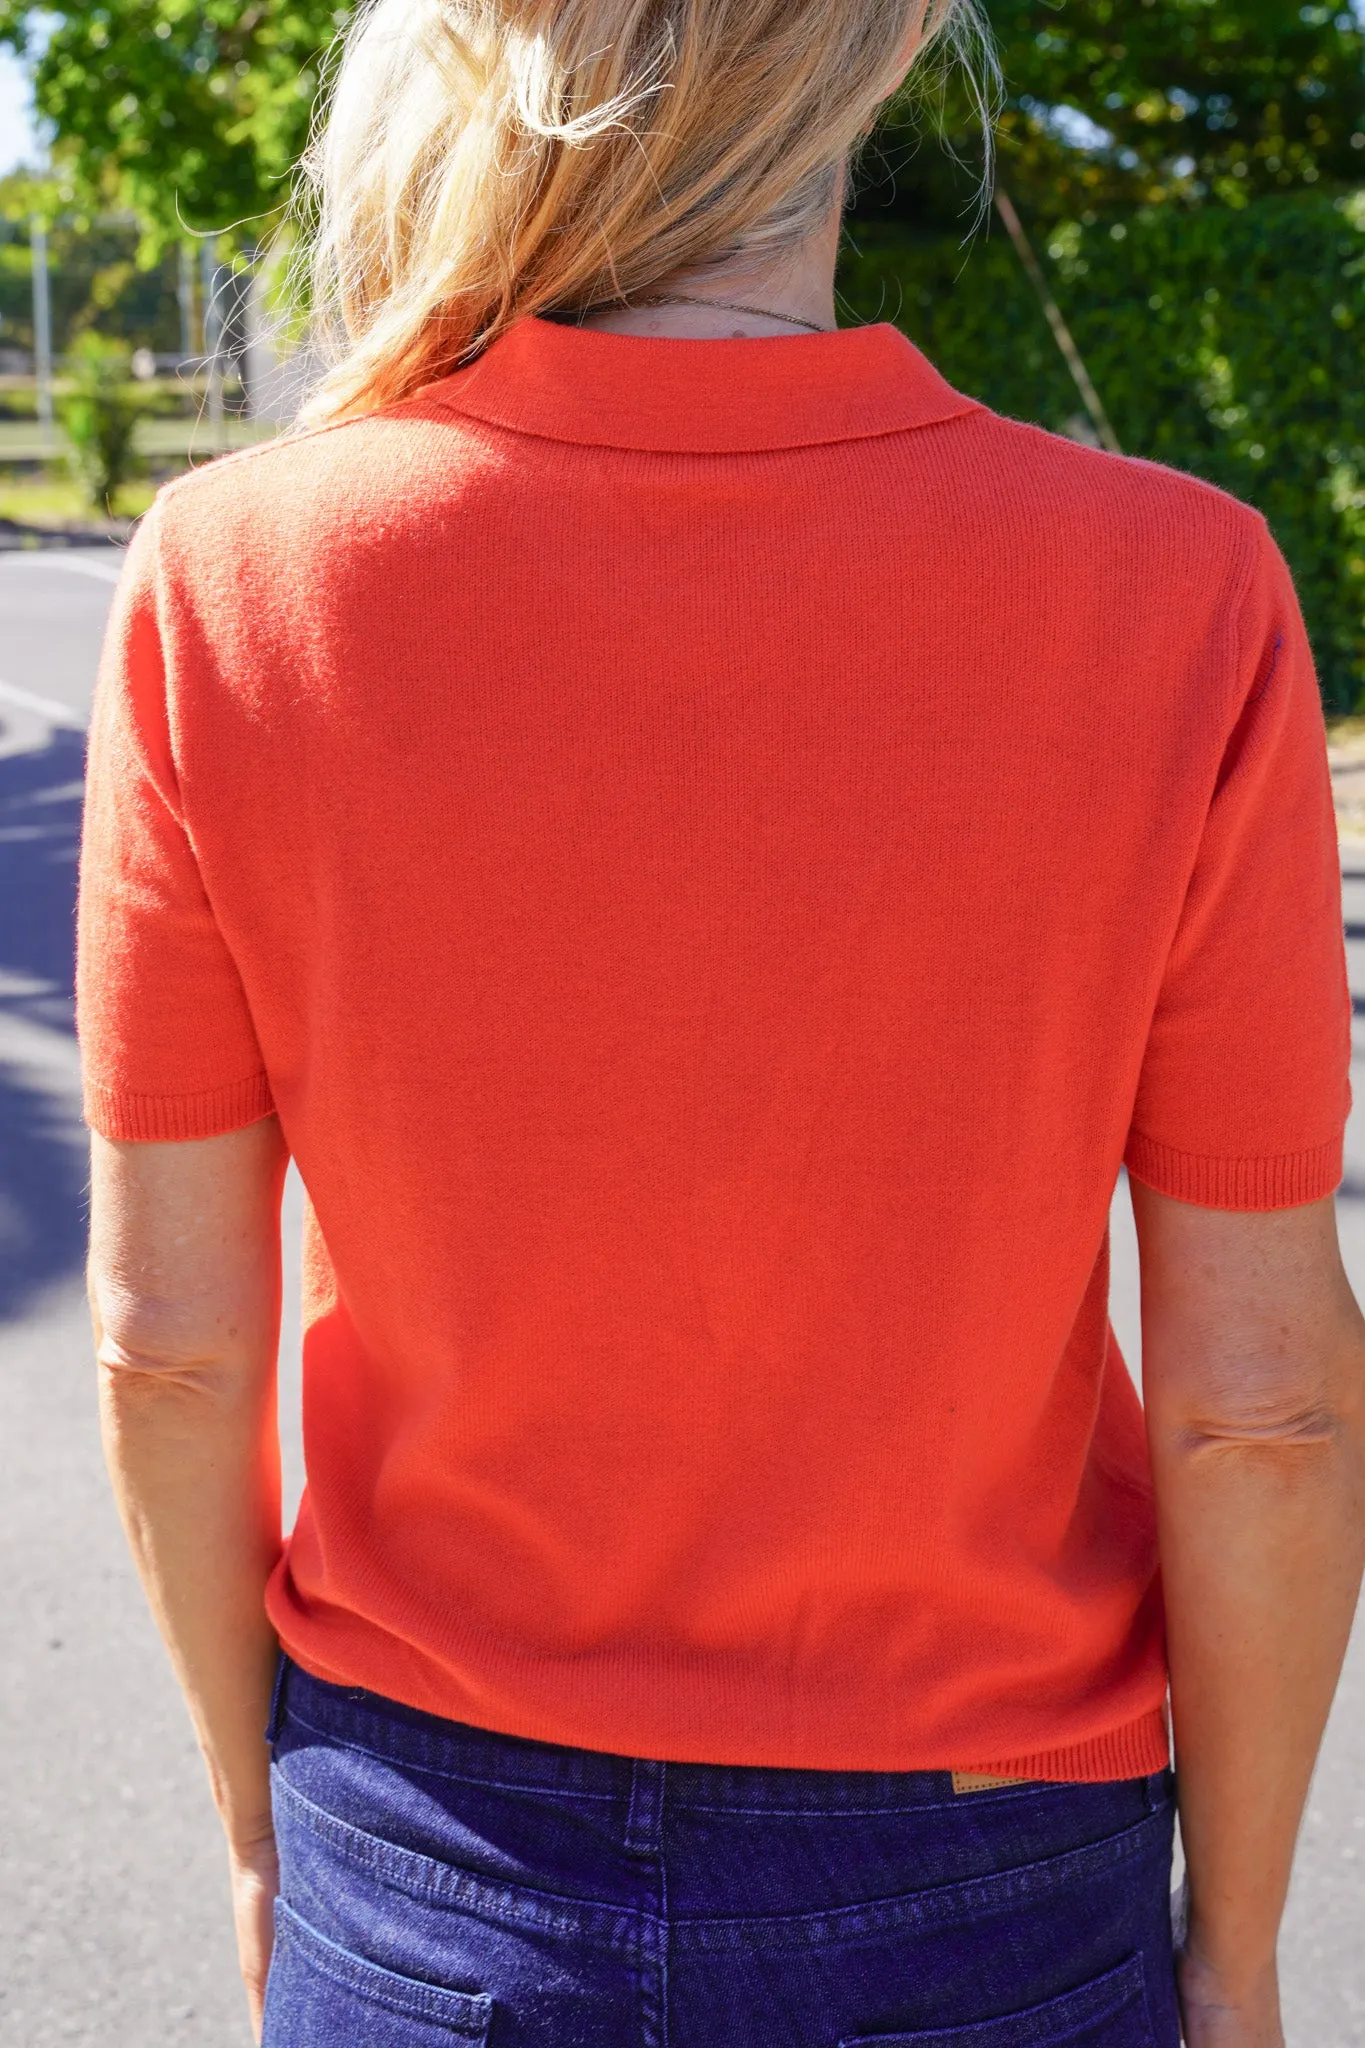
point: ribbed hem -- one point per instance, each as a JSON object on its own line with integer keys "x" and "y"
{"x": 761, "y": 1730}
{"x": 115, "y": 1113}
{"x": 1277, "y": 1183}
{"x": 1133, "y": 1751}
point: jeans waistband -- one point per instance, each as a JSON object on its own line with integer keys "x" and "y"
{"x": 408, "y": 1736}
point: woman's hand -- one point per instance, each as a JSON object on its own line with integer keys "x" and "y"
{"x": 1217, "y": 2012}
{"x": 255, "y": 1870}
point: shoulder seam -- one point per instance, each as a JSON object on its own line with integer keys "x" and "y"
{"x": 1148, "y": 464}
{"x": 289, "y": 438}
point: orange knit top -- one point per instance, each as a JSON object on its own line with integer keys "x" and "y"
{"x": 716, "y": 852}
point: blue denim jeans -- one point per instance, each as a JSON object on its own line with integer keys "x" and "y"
{"x": 441, "y": 1884}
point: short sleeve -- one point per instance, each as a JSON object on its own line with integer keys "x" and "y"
{"x": 1245, "y": 1082}
{"x": 168, "y": 1050}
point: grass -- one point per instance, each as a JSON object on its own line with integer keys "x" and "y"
{"x": 57, "y": 501}
{"x": 39, "y": 491}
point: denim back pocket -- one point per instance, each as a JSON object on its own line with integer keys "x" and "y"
{"x": 1108, "y": 2012}
{"x": 320, "y": 1995}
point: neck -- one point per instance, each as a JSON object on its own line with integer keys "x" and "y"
{"x": 798, "y": 283}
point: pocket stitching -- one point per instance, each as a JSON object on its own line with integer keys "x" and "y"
{"x": 468, "y": 2012}
{"x": 411, "y": 1872}
{"x": 929, "y": 1908}
{"x": 1102, "y": 1998}
{"x": 417, "y": 1875}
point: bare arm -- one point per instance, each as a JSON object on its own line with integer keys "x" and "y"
{"x": 1254, "y": 1379}
{"x": 185, "y": 1292}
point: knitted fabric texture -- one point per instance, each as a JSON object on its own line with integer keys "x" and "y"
{"x": 716, "y": 852}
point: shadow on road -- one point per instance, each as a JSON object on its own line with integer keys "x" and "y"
{"x": 42, "y": 1194}
{"x": 42, "y": 1201}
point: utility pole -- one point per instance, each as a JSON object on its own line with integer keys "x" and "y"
{"x": 185, "y": 294}
{"x": 42, "y": 330}
{"x": 213, "y": 340}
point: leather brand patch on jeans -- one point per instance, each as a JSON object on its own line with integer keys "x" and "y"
{"x": 982, "y": 1781}
{"x": 443, "y": 1884}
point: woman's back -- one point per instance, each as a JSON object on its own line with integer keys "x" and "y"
{"x": 715, "y": 851}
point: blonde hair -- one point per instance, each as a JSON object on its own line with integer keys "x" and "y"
{"x": 485, "y": 159}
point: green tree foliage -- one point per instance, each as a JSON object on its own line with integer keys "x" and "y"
{"x": 184, "y": 111}
{"x": 95, "y": 280}
{"x": 1222, "y": 342}
{"x": 1253, "y": 95}
{"x": 1187, "y": 100}
{"x": 203, "y": 105}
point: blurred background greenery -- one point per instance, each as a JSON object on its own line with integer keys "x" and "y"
{"x": 1189, "y": 175}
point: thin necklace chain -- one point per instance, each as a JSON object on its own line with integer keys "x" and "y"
{"x": 730, "y": 306}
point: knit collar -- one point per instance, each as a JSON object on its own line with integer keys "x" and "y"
{"x": 701, "y": 397}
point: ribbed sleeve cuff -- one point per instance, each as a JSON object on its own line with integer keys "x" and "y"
{"x": 117, "y": 1114}
{"x": 1276, "y": 1183}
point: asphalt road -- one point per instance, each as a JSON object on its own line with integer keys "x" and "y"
{"x": 113, "y": 1917}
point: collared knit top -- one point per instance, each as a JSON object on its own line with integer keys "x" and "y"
{"x": 716, "y": 852}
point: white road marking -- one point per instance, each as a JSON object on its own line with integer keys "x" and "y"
{"x": 46, "y": 707}
{"x": 79, "y": 564}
